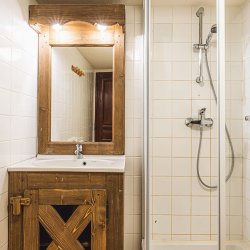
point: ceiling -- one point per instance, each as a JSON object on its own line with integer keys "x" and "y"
{"x": 98, "y": 57}
{"x": 139, "y": 2}
{"x": 195, "y": 2}
{"x": 127, "y": 2}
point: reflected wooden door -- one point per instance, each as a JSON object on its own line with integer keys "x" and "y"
{"x": 103, "y": 107}
{"x": 65, "y": 219}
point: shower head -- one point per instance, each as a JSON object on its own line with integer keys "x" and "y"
{"x": 214, "y": 28}
{"x": 200, "y": 12}
{"x": 210, "y": 35}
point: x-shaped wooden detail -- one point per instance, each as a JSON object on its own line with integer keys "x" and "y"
{"x": 65, "y": 235}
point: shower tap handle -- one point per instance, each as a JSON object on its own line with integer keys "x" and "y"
{"x": 202, "y": 121}
{"x": 202, "y": 111}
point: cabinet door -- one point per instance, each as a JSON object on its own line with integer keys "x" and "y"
{"x": 62, "y": 219}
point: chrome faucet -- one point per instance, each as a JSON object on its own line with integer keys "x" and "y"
{"x": 78, "y": 151}
{"x": 202, "y": 121}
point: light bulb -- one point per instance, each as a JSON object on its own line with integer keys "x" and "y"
{"x": 101, "y": 27}
{"x": 57, "y": 27}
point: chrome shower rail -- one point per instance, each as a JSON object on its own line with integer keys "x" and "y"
{"x": 200, "y": 13}
{"x": 200, "y": 45}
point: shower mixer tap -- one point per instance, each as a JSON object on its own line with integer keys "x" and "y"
{"x": 202, "y": 121}
{"x": 78, "y": 151}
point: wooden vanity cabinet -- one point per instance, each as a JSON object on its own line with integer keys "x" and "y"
{"x": 68, "y": 211}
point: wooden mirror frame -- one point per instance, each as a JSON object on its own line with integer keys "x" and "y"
{"x": 79, "y": 30}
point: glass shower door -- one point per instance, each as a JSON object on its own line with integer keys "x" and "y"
{"x": 236, "y": 16}
{"x": 182, "y": 124}
{"x": 194, "y": 126}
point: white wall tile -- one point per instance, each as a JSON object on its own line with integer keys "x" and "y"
{"x": 5, "y": 102}
{"x": 162, "y": 71}
{"x": 181, "y": 147}
{"x": 200, "y": 224}
{"x": 182, "y": 33}
{"x": 182, "y": 14}
{"x": 162, "y": 147}
{"x": 181, "y": 109}
{"x": 3, "y": 207}
{"x": 181, "y": 167}
{"x": 162, "y": 90}
{"x": 162, "y": 109}
{"x": 181, "y": 186}
{"x": 162, "y": 52}
{"x": 130, "y": 14}
{"x": 5, "y": 81}
{"x": 201, "y": 205}
{"x": 162, "y": 127}
{"x": 181, "y": 205}
{"x": 163, "y": 33}
{"x": 163, "y": 14}
{"x": 161, "y": 186}
{"x": 161, "y": 224}
{"x": 130, "y": 33}
{"x": 182, "y": 52}
{"x": 162, "y": 166}
{"x": 236, "y": 32}
{"x": 4, "y": 231}
{"x": 162, "y": 205}
{"x": 181, "y": 90}
{"x": 179, "y": 130}
{"x": 181, "y": 225}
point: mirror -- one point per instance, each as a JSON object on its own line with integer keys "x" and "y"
{"x": 81, "y": 94}
{"x": 81, "y": 90}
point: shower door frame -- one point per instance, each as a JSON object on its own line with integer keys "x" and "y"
{"x": 221, "y": 111}
{"x": 221, "y": 121}
{"x": 146, "y": 177}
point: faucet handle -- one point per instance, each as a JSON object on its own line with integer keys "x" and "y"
{"x": 202, "y": 111}
{"x": 79, "y": 147}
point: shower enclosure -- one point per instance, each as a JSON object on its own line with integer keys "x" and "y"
{"x": 196, "y": 98}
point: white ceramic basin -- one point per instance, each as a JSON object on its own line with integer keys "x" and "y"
{"x": 94, "y": 163}
{"x": 62, "y": 163}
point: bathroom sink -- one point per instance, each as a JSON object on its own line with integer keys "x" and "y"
{"x": 99, "y": 163}
{"x": 62, "y": 163}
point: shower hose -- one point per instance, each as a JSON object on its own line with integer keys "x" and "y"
{"x": 201, "y": 135}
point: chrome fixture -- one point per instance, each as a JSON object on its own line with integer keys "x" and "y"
{"x": 202, "y": 46}
{"x": 210, "y": 35}
{"x": 247, "y": 118}
{"x": 78, "y": 151}
{"x": 199, "y": 14}
{"x": 202, "y": 121}
{"x": 214, "y": 30}
{"x": 190, "y": 122}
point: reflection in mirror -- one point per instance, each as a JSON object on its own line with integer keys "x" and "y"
{"x": 81, "y": 94}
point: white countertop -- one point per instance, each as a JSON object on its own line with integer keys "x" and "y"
{"x": 69, "y": 163}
